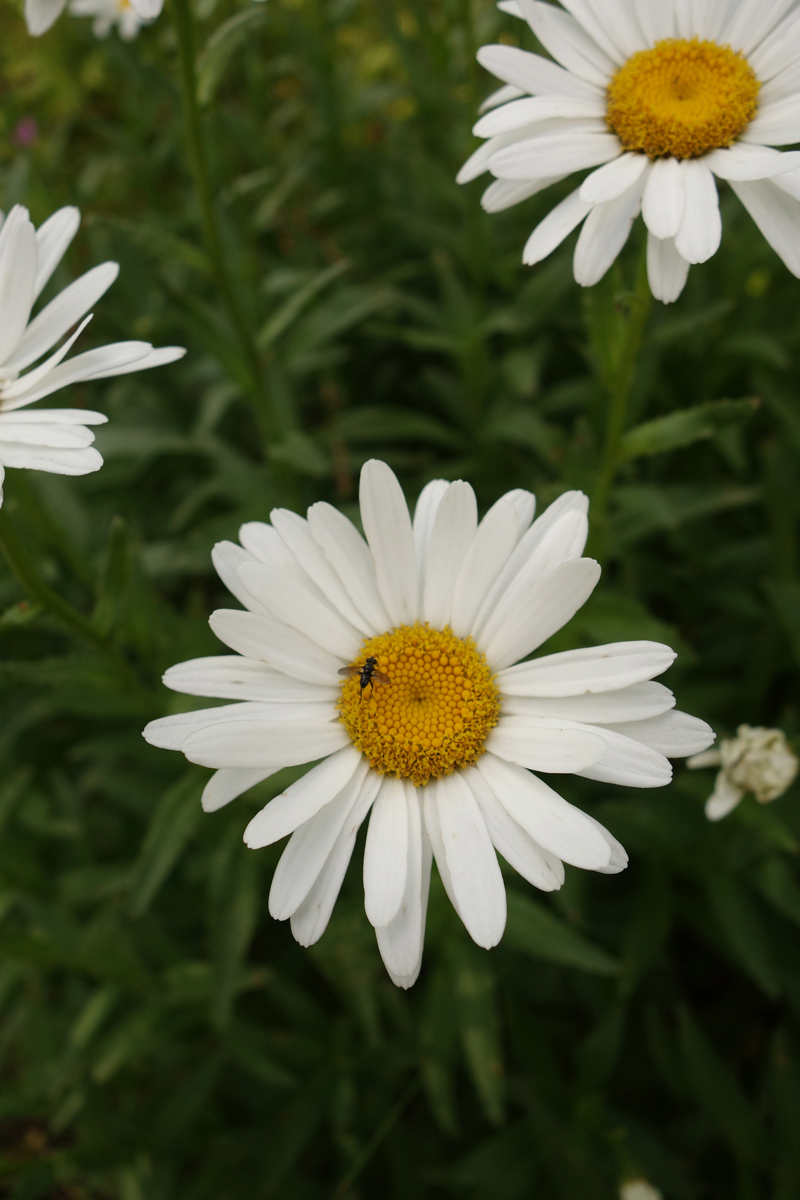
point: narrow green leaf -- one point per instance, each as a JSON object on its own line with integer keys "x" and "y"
{"x": 744, "y": 930}
{"x": 290, "y": 310}
{"x": 479, "y": 1026}
{"x": 684, "y": 427}
{"x": 777, "y": 883}
{"x": 532, "y": 929}
{"x": 172, "y": 824}
{"x": 234, "y": 914}
{"x": 220, "y": 48}
{"x": 718, "y": 1091}
{"x": 114, "y": 579}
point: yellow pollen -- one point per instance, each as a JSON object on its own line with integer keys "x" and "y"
{"x": 682, "y": 98}
{"x": 435, "y": 713}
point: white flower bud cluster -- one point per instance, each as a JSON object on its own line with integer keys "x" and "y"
{"x": 757, "y": 760}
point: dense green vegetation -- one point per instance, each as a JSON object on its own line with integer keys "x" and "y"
{"x": 162, "y": 1038}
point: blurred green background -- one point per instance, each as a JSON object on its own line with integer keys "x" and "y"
{"x": 161, "y": 1037}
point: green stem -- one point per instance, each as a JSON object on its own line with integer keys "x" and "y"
{"x": 25, "y": 571}
{"x": 198, "y": 160}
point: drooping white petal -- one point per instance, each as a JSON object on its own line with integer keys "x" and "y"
{"x": 604, "y": 234}
{"x": 349, "y": 555}
{"x": 667, "y": 271}
{"x": 537, "y": 108}
{"x": 533, "y": 74}
{"x": 548, "y": 606}
{"x": 583, "y": 144}
{"x": 41, "y": 14}
{"x": 503, "y": 95}
{"x": 425, "y": 512}
{"x": 227, "y": 557}
{"x": 629, "y": 763}
{"x": 298, "y": 607}
{"x": 533, "y": 862}
{"x": 743, "y": 161}
{"x": 229, "y": 782}
{"x": 594, "y": 669}
{"x": 309, "y": 847}
{"x": 296, "y": 535}
{"x": 304, "y": 798}
{"x": 504, "y": 193}
{"x": 275, "y": 643}
{"x": 387, "y": 526}
{"x": 567, "y": 41}
{"x": 556, "y": 226}
{"x": 310, "y": 920}
{"x": 488, "y": 554}
{"x": 472, "y": 865}
{"x": 700, "y": 232}
{"x": 777, "y": 215}
{"x": 17, "y": 278}
{"x": 616, "y": 177}
{"x": 386, "y": 853}
{"x": 232, "y": 677}
{"x": 430, "y": 813}
{"x": 723, "y": 799}
{"x": 454, "y": 530}
{"x": 553, "y": 823}
{"x": 636, "y": 703}
{"x": 674, "y": 734}
{"x": 401, "y": 942}
{"x": 663, "y": 198}
{"x": 544, "y": 743}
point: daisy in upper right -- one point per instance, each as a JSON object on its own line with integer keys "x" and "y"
{"x": 657, "y": 99}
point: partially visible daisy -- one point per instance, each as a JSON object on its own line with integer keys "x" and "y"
{"x": 658, "y": 99}
{"x": 757, "y": 760}
{"x": 441, "y": 756}
{"x": 59, "y": 439}
{"x": 639, "y": 1189}
{"x": 130, "y": 15}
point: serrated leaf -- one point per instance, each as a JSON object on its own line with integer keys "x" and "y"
{"x": 685, "y": 427}
{"x": 531, "y": 929}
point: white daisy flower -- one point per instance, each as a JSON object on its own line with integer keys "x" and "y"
{"x": 661, "y": 98}
{"x": 438, "y": 724}
{"x": 56, "y": 440}
{"x": 639, "y": 1189}
{"x": 130, "y": 15}
{"x": 757, "y": 760}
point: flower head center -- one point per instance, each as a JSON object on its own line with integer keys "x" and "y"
{"x": 435, "y": 712}
{"x": 682, "y": 98}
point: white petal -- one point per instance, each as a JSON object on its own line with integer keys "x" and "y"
{"x": 228, "y": 783}
{"x": 52, "y": 240}
{"x": 160, "y": 357}
{"x": 430, "y": 812}
{"x": 309, "y": 847}
{"x": 545, "y": 744}
{"x": 618, "y": 18}
{"x": 777, "y": 215}
{"x": 41, "y": 14}
{"x": 296, "y": 535}
{"x": 751, "y": 23}
{"x": 556, "y": 226}
{"x": 578, "y": 146}
{"x": 275, "y": 643}
{"x": 533, "y": 74}
{"x": 533, "y": 862}
{"x": 387, "y": 525}
{"x": 619, "y": 858}
{"x": 663, "y": 197}
{"x": 702, "y": 18}
{"x": 171, "y": 732}
{"x": 401, "y": 942}
{"x": 10, "y": 391}
{"x": 548, "y": 606}
{"x": 94, "y": 364}
{"x": 349, "y": 555}
{"x": 454, "y": 531}
{"x": 504, "y": 193}
{"x": 777, "y": 50}
{"x": 599, "y": 28}
{"x": 488, "y": 554}
{"x": 48, "y": 416}
{"x": 604, "y": 234}
{"x": 639, "y": 702}
{"x": 657, "y": 21}
{"x": 723, "y": 799}
{"x": 503, "y": 95}
{"x": 537, "y": 108}
{"x": 472, "y": 865}
{"x": 68, "y": 436}
{"x": 62, "y": 313}
{"x": 265, "y": 743}
{"x": 311, "y": 919}
{"x": 616, "y": 177}
{"x": 47, "y": 458}
{"x": 227, "y": 557}
{"x": 667, "y": 272}
{"x": 775, "y": 124}
{"x": 674, "y": 734}
{"x": 17, "y": 277}
{"x": 263, "y": 544}
{"x": 553, "y": 823}
{"x": 743, "y": 161}
{"x": 569, "y": 44}
{"x": 425, "y": 512}
{"x": 701, "y": 227}
{"x": 147, "y": 10}
{"x": 304, "y": 798}
{"x": 298, "y": 607}
{"x": 233, "y": 677}
{"x": 524, "y": 505}
{"x": 595, "y": 669}
{"x": 386, "y": 853}
{"x": 629, "y": 763}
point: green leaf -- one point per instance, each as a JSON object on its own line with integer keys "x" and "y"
{"x": 173, "y": 823}
{"x": 684, "y": 427}
{"x": 114, "y": 579}
{"x": 437, "y": 1034}
{"x": 221, "y": 46}
{"x": 233, "y": 920}
{"x": 392, "y": 424}
{"x": 290, "y": 310}
{"x": 718, "y": 1091}
{"x": 478, "y": 1022}
{"x": 532, "y": 929}
{"x": 777, "y": 883}
{"x": 299, "y": 451}
{"x": 744, "y": 931}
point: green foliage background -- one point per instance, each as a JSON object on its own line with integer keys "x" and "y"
{"x": 161, "y": 1037}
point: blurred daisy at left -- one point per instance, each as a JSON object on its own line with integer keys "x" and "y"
{"x": 58, "y": 439}
{"x": 129, "y": 15}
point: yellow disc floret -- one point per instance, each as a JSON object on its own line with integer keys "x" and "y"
{"x": 436, "y": 710}
{"x": 682, "y": 98}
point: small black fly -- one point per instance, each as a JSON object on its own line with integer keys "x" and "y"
{"x": 368, "y": 675}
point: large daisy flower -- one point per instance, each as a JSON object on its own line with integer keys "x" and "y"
{"x": 661, "y": 98}
{"x": 58, "y": 439}
{"x": 395, "y": 663}
{"x": 130, "y": 15}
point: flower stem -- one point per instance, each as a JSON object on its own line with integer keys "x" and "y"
{"x": 183, "y": 22}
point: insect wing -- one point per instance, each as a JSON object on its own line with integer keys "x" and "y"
{"x": 350, "y": 672}
{"x": 379, "y": 678}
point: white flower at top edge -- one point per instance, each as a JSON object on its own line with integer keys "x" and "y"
{"x": 59, "y": 439}
{"x": 757, "y": 760}
{"x": 129, "y": 15}
{"x": 639, "y": 1189}
{"x": 658, "y": 99}
{"x": 441, "y": 756}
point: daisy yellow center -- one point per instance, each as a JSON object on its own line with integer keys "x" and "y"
{"x": 682, "y": 98}
{"x": 434, "y": 713}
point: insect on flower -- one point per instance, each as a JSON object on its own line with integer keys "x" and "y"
{"x": 368, "y": 674}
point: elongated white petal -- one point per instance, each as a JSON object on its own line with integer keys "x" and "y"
{"x": 17, "y": 277}
{"x": 388, "y": 528}
{"x": 297, "y": 606}
{"x": 701, "y": 225}
{"x": 533, "y": 862}
{"x": 304, "y": 798}
{"x": 386, "y": 853}
{"x": 598, "y": 28}
{"x": 296, "y": 535}
{"x": 270, "y": 743}
{"x": 309, "y": 847}
{"x": 233, "y": 677}
{"x": 401, "y": 942}
{"x": 549, "y": 605}
{"x": 227, "y": 557}
{"x": 68, "y": 436}
{"x": 674, "y": 734}
{"x": 629, "y": 763}
{"x": 777, "y": 215}
{"x": 524, "y": 505}
{"x": 275, "y": 643}
{"x": 488, "y": 554}
{"x": 553, "y": 823}
{"x": 62, "y": 313}
{"x": 170, "y": 733}
{"x": 228, "y": 783}
{"x": 263, "y": 544}
{"x": 530, "y": 109}
{"x": 41, "y": 14}
{"x": 619, "y": 858}
{"x": 544, "y": 743}
{"x": 474, "y": 871}
{"x": 310, "y": 920}
{"x": 611, "y": 180}
{"x": 51, "y": 416}
{"x": 604, "y": 234}
{"x": 567, "y": 41}
{"x": 52, "y": 241}
{"x": 94, "y": 364}
{"x": 572, "y": 149}
{"x": 667, "y": 272}
{"x": 775, "y": 124}
{"x": 503, "y": 95}
{"x": 48, "y": 458}
{"x": 781, "y": 46}
{"x": 595, "y": 669}
{"x": 454, "y": 531}
{"x": 556, "y": 226}
{"x": 723, "y": 799}
{"x": 425, "y": 512}
{"x": 657, "y": 21}
{"x": 430, "y": 813}
{"x": 742, "y": 161}
{"x": 750, "y": 23}
{"x": 637, "y": 703}
{"x": 663, "y": 198}
{"x": 349, "y": 555}
{"x": 533, "y": 74}
{"x": 504, "y": 193}
{"x": 28, "y": 382}
{"x": 160, "y": 357}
